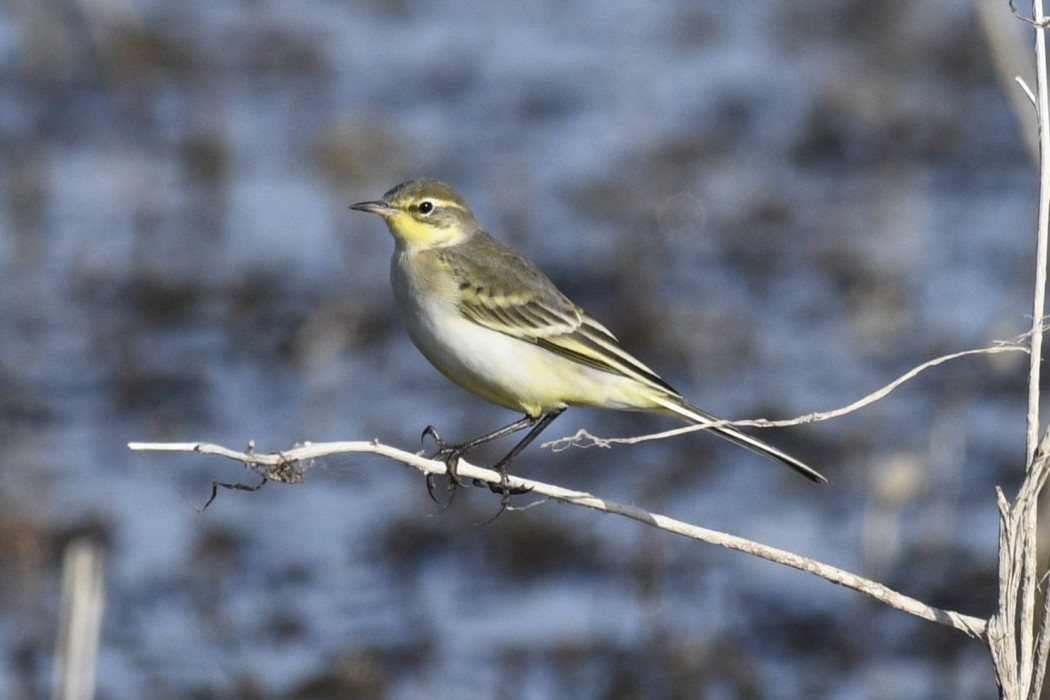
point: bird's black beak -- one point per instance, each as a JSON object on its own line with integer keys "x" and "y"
{"x": 381, "y": 208}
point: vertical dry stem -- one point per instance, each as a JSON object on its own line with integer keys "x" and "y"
{"x": 1011, "y": 631}
{"x": 1028, "y": 499}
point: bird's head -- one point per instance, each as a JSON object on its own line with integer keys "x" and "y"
{"x": 423, "y": 214}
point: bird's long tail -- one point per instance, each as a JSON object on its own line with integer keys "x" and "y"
{"x": 683, "y": 409}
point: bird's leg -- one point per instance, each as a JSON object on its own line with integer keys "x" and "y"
{"x": 538, "y": 426}
{"x": 450, "y": 454}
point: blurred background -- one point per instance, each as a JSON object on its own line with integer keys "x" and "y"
{"x": 780, "y": 207}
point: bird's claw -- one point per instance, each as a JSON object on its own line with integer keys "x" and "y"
{"x": 447, "y": 453}
{"x": 432, "y": 490}
{"x": 432, "y": 433}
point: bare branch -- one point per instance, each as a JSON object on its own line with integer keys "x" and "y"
{"x": 1032, "y": 668}
{"x": 1019, "y": 652}
{"x": 276, "y": 465}
{"x": 1039, "y": 301}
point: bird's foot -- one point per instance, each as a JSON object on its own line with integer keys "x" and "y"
{"x": 503, "y": 488}
{"x": 450, "y": 455}
{"x": 447, "y": 453}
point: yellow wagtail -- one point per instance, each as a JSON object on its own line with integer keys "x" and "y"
{"x": 492, "y": 322}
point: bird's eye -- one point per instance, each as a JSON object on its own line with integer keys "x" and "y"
{"x": 425, "y": 207}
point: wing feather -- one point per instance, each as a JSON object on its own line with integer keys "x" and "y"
{"x": 505, "y": 292}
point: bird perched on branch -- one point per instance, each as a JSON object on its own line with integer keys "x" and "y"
{"x": 492, "y": 322}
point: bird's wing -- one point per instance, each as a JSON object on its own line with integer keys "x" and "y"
{"x": 502, "y": 290}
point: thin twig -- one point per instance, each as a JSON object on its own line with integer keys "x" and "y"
{"x": 1039, "y": 22}
{"x": 260, "y": 463}
{"x": 585, "y": 439}
{"x": 1027, "y": 90}
{"x": 1039, "y": 300}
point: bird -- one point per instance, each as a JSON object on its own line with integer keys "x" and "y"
{"x": 492, "y": 322}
